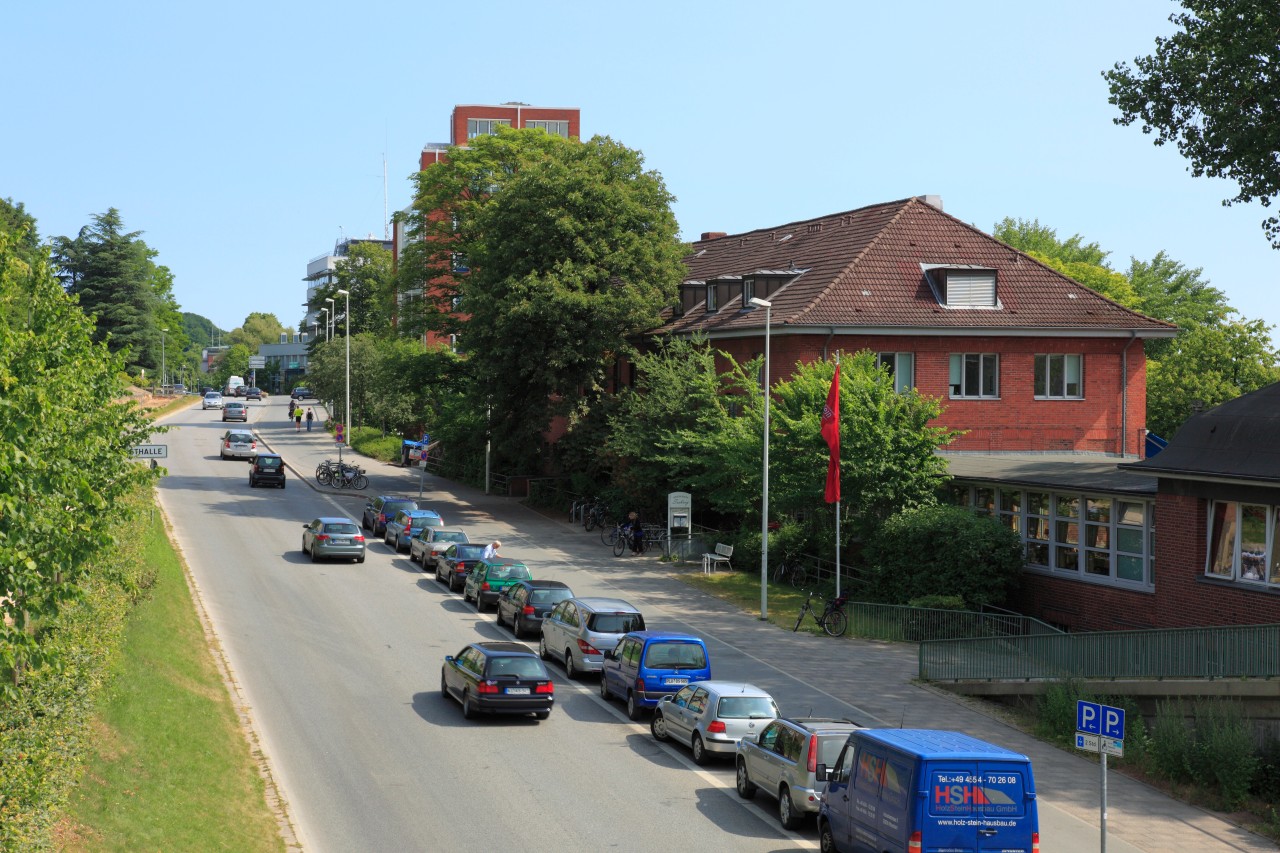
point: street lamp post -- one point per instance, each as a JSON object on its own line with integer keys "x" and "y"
{"x": 347, "y": 317}
{"x": 326, "y": 323}
{"x": 764, "y": 502}
{"x": 333, "y": 314}
{"x": 162, "y": 364}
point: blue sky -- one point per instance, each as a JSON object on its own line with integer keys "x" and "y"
{"x": 244, "y": 139}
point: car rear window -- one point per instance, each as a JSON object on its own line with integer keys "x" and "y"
{"x": 470, "y": 552}
{"x": 615, "y": 623}
{"x": 268, "y": 461}
{"x": 418, "y": 522}
{"x": 451, "y": 536}
{"x": 509, "y": 573}
{"x": 515, "y": 667}
{"x": 669, "y": 655}
{"x": 241, "y": 437}
{"x": 390, "y": 508}
{"x": 341, "y": 527}
{"x": 550, "y": 596}
{"x": 829, "y": 747}
{"x": 746, "y": 708}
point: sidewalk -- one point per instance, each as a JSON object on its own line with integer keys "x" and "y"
{"x": 875, "y": 678}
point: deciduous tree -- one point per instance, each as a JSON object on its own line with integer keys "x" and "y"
{"x": 1213, "y": 89}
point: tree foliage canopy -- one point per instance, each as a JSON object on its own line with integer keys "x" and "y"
{"x": 559, "y": 251}
{"x": 1213, "y": 89}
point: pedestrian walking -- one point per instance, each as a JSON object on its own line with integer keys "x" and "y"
{"x": 297, "y": 419}
{"x": 311, "y": 416}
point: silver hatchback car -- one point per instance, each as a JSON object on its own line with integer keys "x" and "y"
{"x": 712, "y": 716}
{"x": 578, "y": 632}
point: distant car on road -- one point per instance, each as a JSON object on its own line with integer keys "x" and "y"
{"x": 235, "y": 410}
{"x": 498, "y": 678}
{"x": 429, "y": 542}
{"x": 301, "y": 393}
{"x": 212, "y": 400}
{"x": 253, "y": 394}
{"x": 524, "y": 604}
{"x": 327, "y": 538}
{"x": 456, "y": 562}
{"x": 266, "y": 469}
{"x": 238, "y": 444}
{"x": 712, "y": 716}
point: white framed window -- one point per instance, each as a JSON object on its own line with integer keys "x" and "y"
{"x": 555, "y": 128}
{"x": 713, "y": 303}
{"x": 748, "y": 291}
{"x": 1242, "y": 542}
{"x": 484, "y": 126}
{"x": 1059, "y": 377}
{"x": 975, "y": 375}
{"x": 901, "y": 366}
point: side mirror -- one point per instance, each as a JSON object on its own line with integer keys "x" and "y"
{"x": 820, "y": 773}
{"x": 448, "y": 658}
{"x": 305, "y": 526}
{"x": 667, "y": 698}
{"x": 610, "y": 655}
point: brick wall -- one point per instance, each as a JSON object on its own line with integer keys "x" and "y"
{"x": 1016, "y": 421}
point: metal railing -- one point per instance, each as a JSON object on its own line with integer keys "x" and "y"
{"x": 1234, "y": 651}
{"x": 916, "y": 624}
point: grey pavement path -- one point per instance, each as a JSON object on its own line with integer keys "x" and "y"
{"x": 875, "y": 678}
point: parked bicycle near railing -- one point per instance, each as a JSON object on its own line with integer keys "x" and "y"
{"x": 595, "y": 515}
{"x": 832, "y": 619}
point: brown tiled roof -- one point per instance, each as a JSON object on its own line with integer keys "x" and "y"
{"x": 862, "y": 269}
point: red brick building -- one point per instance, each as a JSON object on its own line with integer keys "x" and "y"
{"x": 1046, "y": 378}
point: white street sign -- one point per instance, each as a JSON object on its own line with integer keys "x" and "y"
{"x": 1090, "y": 743}
{"x": 151, "y": 451}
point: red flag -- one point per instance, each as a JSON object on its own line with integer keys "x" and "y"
{"x": 831, "y": 432}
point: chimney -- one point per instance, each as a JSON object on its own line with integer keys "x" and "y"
{"x": 933, "y": 200}
{"x": 714, "y": 235}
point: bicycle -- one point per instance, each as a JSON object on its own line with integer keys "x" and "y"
{"x": 594, "y": 516}
{"x": 350, "y": 477}
{"x": 325, "y": 471}
{"x": 610, "y": 535}
{"x": 791, "y": 573}
{"x": 832, "y": 619}
{"x": 623, "y": 537}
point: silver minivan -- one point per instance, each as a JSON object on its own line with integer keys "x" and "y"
{"x": 580, "y": 630}
{"x": 712, "y": 716}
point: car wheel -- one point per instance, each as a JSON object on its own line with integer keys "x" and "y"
{"x": 252, "y": 484}
{"x": 604, "y": 688}
{"x": 364, "y": 522}
{"x": 444, "y": 685}
{"x": 479, "y": 603}
{"x": 542, "y": 715}
{"x": 314, "y": 558}
{"x": 359, "y": 559}
{"x": 468, "y": 707}
{"x": 466, "y": 596}
{"x": 222, "y": 456}
{"x": 746, "y": 788}
{"x": 787, "y": 814}
{"x": 826, "y": 840}
{"x": 658, "y": 726}
{"x": 634, "y": 711}
{"x": 453, "y": 583}
{"x": 542, "y": 649}
{"x": 700, "y": 754}
{"x": 569, "y": 669}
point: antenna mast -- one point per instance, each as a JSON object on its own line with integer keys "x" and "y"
{"x": 386, "y": 220}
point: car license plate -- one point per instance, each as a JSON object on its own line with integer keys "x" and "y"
{"x": 518, "y": 691}
{"x": 341, "y": 541}
{"x": 675, "y": 681}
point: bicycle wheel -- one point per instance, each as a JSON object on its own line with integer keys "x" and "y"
{"x": 800, "y": 618}
{"x": 360, "y": 481}
{"x": 608, "y": 535}
{"x": 799, "y": 577}
{"x": 835, "y": 623}
{"x": 619, "y": 545}
{"x": 324, "y": 477}
{"x": 591, "y": 519}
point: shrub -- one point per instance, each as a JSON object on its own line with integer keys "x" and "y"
{"x": 1171, "y": 742}
{"x": 943, "y": 550}
{"x": 1056, "y": 710}
{"x": 938, "y": 602}
{"x": 1222, "y": 755}
{"x": 1266, "y": 779}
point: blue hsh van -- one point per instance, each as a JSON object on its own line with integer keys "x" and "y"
{"x": 913, "y": 790}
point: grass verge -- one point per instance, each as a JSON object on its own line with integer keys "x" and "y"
{"x": 743, "y": 590}
{"x": 171, "y": 768}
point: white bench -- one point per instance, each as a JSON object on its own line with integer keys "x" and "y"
{"x": 712, "y": 561}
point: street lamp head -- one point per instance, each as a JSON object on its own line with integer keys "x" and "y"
{"x": 760, "y": 303}
{"x": 343, "y": 292}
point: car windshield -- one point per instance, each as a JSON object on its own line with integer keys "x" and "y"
{"x": 508, "y": 573}
{"x": 615, "y": 623}
{"x": 550, "y": 596}
{"x": 746, "y": 708}
{"x": 469, "y": 551}
{"x": 341, "y": 527}
{"x": 675, "y": 656}
{"x": 515, "y": 667}
{"x": 450, "y": 536}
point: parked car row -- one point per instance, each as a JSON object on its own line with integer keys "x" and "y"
{"x": 870, "y": 789}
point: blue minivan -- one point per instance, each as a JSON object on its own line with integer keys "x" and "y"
{"x": 647, "y": 665}
{"x": 921, "y": 789}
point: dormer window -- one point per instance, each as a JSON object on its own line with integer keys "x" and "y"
{"x": 713, "y": 304}
{"x": 962, "y": 286}
{"x": 748, "y": 291}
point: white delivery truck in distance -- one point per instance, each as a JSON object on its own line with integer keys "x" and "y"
{"x": 234, "y": 382}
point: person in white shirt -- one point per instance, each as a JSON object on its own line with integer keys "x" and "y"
{"x": 491, "y": 550}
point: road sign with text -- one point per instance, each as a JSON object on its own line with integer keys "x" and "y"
{"x": 151, "y": 451}
{"x": 1095, "y": 719}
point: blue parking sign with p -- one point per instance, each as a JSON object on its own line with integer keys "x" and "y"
{"x": 1096, "y": 719}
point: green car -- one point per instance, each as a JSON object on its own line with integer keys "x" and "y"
{"x": 490, "y": 577}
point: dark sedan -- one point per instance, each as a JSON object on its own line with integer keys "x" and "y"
{"x": 524, "y": 604}
{"x": 456, "y": 562}
{"x": 498, "y": 678}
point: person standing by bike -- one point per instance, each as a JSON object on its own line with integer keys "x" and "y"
{"x": 635, "y": 533}
{"x": 311, "y": 416}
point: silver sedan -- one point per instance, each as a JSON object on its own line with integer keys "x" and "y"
{"x": 712, "y": 716}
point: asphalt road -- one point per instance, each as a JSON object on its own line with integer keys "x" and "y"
{"x": 340, "y": 666}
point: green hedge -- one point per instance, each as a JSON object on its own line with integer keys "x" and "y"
{"x": 45, "y": 729}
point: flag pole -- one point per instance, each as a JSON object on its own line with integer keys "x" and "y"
{"x": 837, "y": 503}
